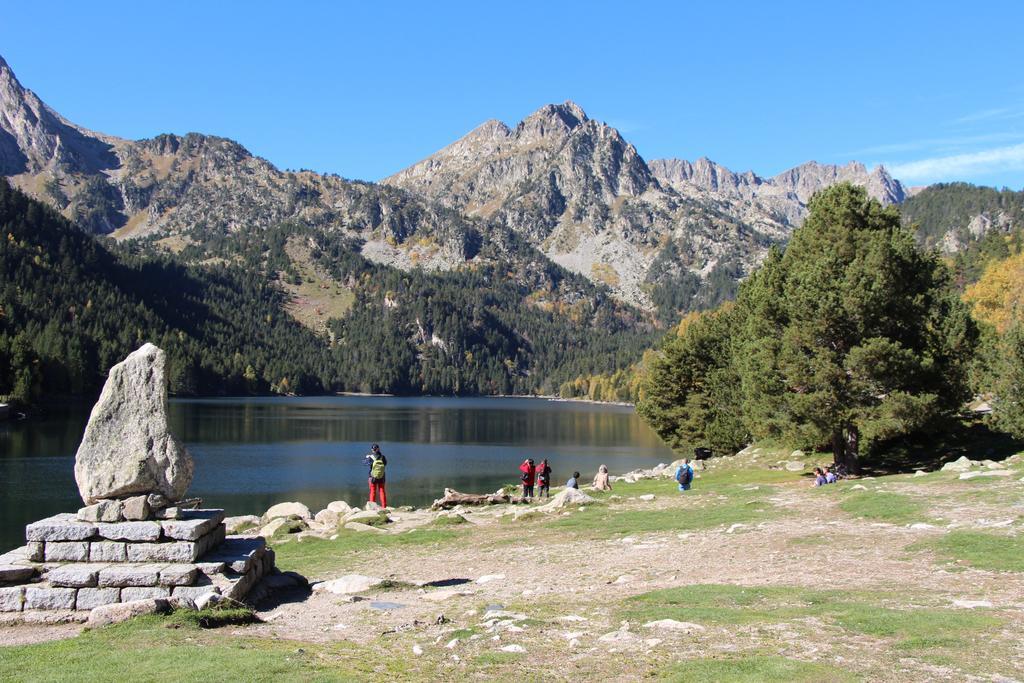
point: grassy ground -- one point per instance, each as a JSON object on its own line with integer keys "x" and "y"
{"x": 893, "y": 578}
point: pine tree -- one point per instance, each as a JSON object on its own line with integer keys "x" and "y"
{"x": 853, "y": 335}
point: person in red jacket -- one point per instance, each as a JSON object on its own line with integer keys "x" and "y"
{"x": 543, "y": 472}
{"x": 529, "y": 471}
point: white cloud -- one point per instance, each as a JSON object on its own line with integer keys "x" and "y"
{"x": 999, "y": 113}
{"x": 947, "y": 144}
{"x": 960, "y": 166}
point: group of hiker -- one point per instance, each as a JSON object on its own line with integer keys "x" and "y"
{"x": 538, "y": 476}
{"x": 532, "y": 475}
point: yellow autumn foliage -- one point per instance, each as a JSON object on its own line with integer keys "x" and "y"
{"x": 997, "y": 297}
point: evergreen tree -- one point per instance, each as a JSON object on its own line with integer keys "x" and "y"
{"x": 853, "y": 335}
{"x": 690, "y": 390}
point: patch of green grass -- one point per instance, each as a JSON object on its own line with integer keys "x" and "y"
{"x": 145, "y": 649}
{"x": 883, "y": 506}
{"x": 449, "y": 520}
{"x": 754, "y": 669}
{"x": 602, "y": 524}
{"x": 909, "y": 629}
{"x": 315, "y": 557}
{"x": 292, "y": 525}
{"x": 213, "y": 617}
{"x": 990, "y": 551}
{"x": 490, "y": 659}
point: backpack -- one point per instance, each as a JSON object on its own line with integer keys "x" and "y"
{"x": 377, "y": 468}
{"x": 685, "y": 475}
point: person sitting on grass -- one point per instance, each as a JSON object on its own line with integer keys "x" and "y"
{"x": 819, "y": 477}
{"x": 684, "y": 475}
{"x": 573, "y": 482}
{"x": 601, "y": 482}
{"x": 830, "y": 476}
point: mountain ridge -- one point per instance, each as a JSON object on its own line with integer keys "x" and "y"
{"x": 667, "y": 235}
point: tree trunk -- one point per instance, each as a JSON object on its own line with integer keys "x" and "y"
{"x": 838, "y": 449}
{"x": 852, "y": 448}
{"x": 453, "y": 498}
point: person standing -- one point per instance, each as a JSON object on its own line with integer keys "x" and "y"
{"x": 377, "y": 463}
{"x": 543, "y": 478}
{"x": 684, "y": 475}
{"x": 601, "y": 481}
{"x": 528, "y": 476}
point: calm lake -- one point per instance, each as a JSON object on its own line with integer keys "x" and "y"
{"x": 253, "y": 452}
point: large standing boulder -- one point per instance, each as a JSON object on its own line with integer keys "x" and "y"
{"x": 128, "y": 449}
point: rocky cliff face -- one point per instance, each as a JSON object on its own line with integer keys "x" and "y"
{"x": 576, "y": 188}
{"x": 783, "y": 198}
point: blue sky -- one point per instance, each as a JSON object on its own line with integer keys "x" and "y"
{"x": 934, "y": 90}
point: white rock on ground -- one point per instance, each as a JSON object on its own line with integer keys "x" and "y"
{"x": 621, "y": 636}
{"x": 128, "y": 447}
{"x": 328, "y": 518}
{"x": 487, "y": 578}
{"x": 961, "y": 464}
{"x": 270, "y": 529}
{"x": 287, "y": 510}
{"x": 566, "y": 498}
{"x": 513, "y": 648}
{"x": 971, "y": 604}
{"x": 673, "y": 625}
{"x": 364, "y": 517}
{"x": 122, "y": 611}
{"x": 339, "y": 506}
{"x": 647, "y": 496}
{"x": 795, "y": 466}
{"x": 348, "y": 584}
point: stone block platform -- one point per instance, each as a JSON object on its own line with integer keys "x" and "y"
{"x": 70, "y": 564}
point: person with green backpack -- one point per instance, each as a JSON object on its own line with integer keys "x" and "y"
{"x": 377, "y": 463}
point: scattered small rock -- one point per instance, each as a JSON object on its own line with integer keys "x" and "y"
{"x": 487, "y": 578}
{"x": 971, "y": 604}
{"x": 673, "y": 625}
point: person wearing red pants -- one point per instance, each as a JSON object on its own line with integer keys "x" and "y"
{"x": 377, "y": 462}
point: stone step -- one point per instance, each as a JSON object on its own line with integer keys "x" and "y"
{"x": 191, "y": 525}
{"x": 12, "y": 573}
{"x": 230, "y": 566}
{"x": 238, "y": 552}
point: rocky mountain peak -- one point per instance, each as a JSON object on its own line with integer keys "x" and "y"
{"x": 551, "y": 121}
{"x": 33, "y": 137}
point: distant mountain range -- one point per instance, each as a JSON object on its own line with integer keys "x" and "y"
{"x": 665, "y": 236}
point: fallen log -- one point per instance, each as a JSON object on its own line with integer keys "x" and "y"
{"x": 452, "y": 498}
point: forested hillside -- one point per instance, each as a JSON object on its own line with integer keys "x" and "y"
{"x": 972, "y": 225}
{"x": 71, "y": 306}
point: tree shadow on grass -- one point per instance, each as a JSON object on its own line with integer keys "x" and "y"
{"x": 970, "y": 437}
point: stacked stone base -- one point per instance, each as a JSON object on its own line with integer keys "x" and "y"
{"x": 72, "y": 565}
